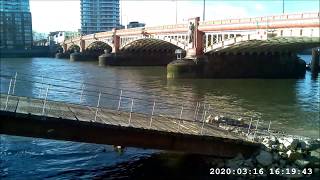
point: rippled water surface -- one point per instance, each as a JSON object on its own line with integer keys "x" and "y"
{"x": 291, "y": 105}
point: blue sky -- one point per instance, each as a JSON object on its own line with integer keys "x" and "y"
{"x": 52, "y": 15}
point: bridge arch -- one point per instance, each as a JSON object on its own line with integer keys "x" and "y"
{"x": 98, "y": 47}
{"x": 150, "y": 45}
{"x": 274, "y": 46}
{"x": 58, "y": 48}
{"x": 73, "y": 48}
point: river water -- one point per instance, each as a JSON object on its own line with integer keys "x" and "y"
{"x": 291, "y": 105}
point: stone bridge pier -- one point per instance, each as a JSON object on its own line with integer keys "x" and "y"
{"x": 315, "y": 61}
{"x": 192, "y": 64}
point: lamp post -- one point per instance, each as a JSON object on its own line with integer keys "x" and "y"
{"x": 282, "y": 6}
{"x": 204, "y": 10}
{"x": 176, "y": 11}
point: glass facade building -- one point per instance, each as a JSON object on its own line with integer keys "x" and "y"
{"x": 99, "y": 15}
{"x": 15, "y": 24}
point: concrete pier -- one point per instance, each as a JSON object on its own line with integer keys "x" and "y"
{"x": 62, "y": 55}
{"x": 239, "y": 66}
{"x": 315, "y": 64}
{"x": 76, "y": 56}
{"x": 185, "y": 68}
{"x": 105, "y": 58}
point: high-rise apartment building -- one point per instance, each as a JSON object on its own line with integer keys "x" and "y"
{"x": 99, "y": 15}
{"x": 15, "y": 24}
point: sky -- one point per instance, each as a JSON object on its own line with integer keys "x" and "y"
{"x": 64, "y": 15}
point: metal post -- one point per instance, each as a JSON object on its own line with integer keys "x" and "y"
{"x": 130, "y": 111}
{"x": 15, "y": 110}
{"x": 14, "y": 82}
{"x": 40, "y": 93}
{"x": 181, "y": 112}
{"x": 119, "y": 104}
{"x": 209, "y": 108}
{"x": 204, "y": 10}
{"x": 269, "y": 126}
{"x": 8, "y": 94}
{"x": 249, "y": 127}
{"x": 82, "y": 89}
{"x": 98, "y": 104}
{"x": 282, "y": 6}
{"x": 197, "y": 112}
{"x": 45, "y": 100}
{"x": 254, "y": 135}
{"x": 154, "y": 104}
{"x": 205, "y": 113}
{"x": 194, "y": 116}
{"x": 204, "y": 110}
{"x": 176, "y": 11}
{"x": 178, "y": 125}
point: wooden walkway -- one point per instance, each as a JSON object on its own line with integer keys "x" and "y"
{"x": 34, "y": 106}
{"x": 25, "y": 116}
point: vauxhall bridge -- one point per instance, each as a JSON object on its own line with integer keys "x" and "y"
{"x": 262, "y": 35}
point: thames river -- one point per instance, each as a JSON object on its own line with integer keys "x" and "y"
{"x": 291, "y": 105}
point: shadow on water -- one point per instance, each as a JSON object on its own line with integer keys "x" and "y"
{"x": 163, "y": 166}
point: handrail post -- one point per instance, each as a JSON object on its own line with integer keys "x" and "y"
{"x": 9, "y": 89}
{"x": 98, "y": 104}
{"x": 249, "y": 127}
{"x": 154, "y": 104}
{"x": 82, "y": 89}
{"x": 120, "y": 97}
{"x": 254, "y": 135}
{"x": 45, "y": 100}
{"x": 269, "y": 126}
{"x": 204, "y": 110}
{"x": 130, "y": 111}
{"x": 194, "y": 116}
{"x": 199, "y": 105}
{"x": 40, "y": 93}
{"x": 181, "y": 112}
{"x": 14, "y": 82}
{"x": 179, "y": 121}
{"x": 205, "y": 113}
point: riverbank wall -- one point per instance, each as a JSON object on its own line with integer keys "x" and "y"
{"x": 27, "y": 53}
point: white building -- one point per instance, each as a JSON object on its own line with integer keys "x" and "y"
{"x": 60, "y": 36}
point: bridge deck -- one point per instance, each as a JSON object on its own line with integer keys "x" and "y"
{"x": 24, "y": 116}
{"x": 26, "y": 105}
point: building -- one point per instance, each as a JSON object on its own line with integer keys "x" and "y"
{"x": 38, "y": 36}
{"x": 60, "y": 36}
{"x": 99, "y": 15}
{"x": 15, "y": 24}
{"x": 135, "y": 24}
{"x": 39, "y": 39}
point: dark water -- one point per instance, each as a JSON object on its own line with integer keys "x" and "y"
{"x": 291, "y": 105}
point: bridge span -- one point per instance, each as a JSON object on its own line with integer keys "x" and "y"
{"x": 208, "y": 36}
{"x": 119, "y": 119}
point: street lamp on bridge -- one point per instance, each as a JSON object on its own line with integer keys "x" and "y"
{"x": 176, "y": 11}
{"x": 204, "y": 10}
